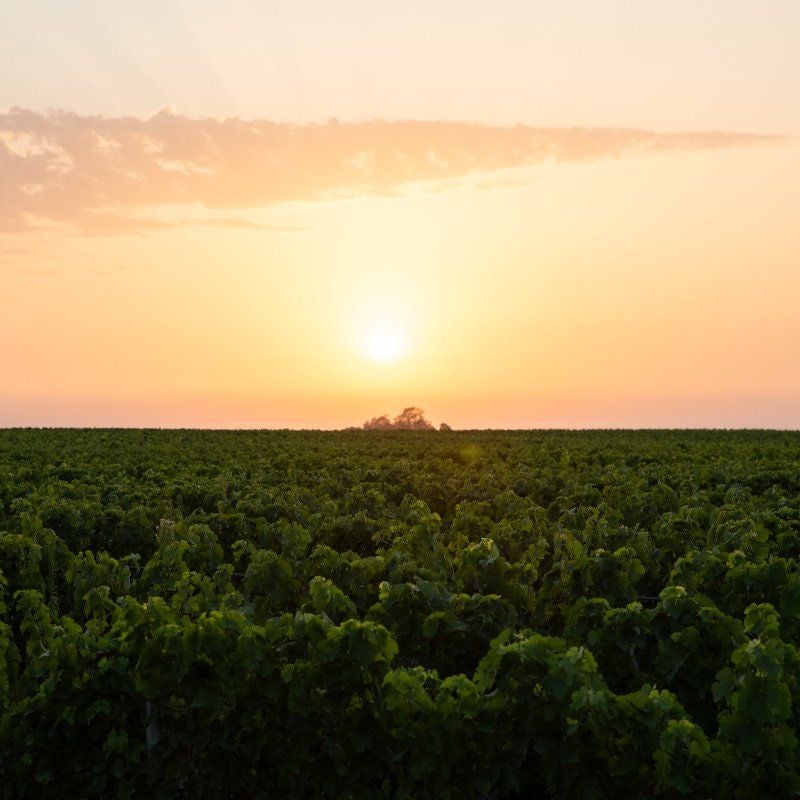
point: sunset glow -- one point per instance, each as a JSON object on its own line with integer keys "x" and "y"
{"x": 384, "y": 343}
{"x": 305, "y": 216}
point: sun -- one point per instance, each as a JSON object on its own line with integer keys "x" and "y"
{"x": 384, "y": 342}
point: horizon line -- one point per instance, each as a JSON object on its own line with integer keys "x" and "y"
{"x": 358, "y": 429}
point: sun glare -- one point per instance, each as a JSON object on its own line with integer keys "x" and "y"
{"x": 384, "y": 343}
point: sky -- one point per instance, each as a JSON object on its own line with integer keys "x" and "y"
{"x": 307, "y": 214}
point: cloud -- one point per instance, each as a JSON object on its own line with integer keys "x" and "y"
{"x": 10, "y": 252}
{"x": 38, "y": 273}
{"x": 99, "y": 175}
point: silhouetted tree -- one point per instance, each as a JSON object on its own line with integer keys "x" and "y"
{"x": 382, "y": 423}
{"x": 412, "y": 419}
{"x": 445, "y": 427}
{"x": 409, "y": 419}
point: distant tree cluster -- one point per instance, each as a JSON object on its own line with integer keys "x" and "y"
{"x": 409, "y": 419}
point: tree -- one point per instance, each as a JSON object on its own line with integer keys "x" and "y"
{"x": 412, "y": 419}
{"x": 409, "y": 419}
{"x": 382, "y": 423}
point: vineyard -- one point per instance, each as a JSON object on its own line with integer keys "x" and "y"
{"x": 399, "y": 614}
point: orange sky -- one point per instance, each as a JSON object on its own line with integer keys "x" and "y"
{"x": 597, "y": 228}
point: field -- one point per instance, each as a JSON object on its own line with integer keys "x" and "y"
{"x": 399, "y": 615}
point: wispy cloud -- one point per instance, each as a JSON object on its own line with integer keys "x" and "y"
{"x": 11, "y": 252}
{"x": 100, "y": 175}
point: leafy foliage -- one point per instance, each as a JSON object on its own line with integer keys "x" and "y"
{"x": 395, "y": 614}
